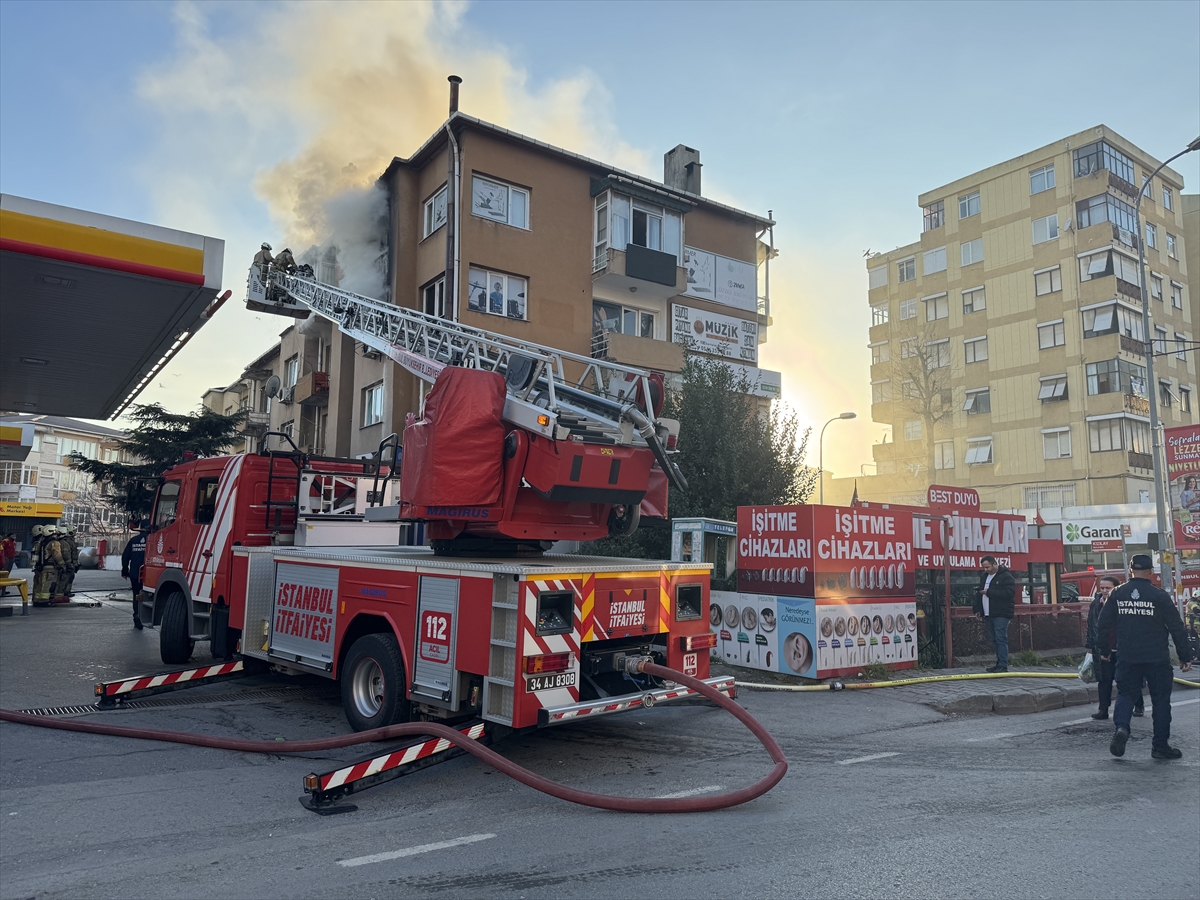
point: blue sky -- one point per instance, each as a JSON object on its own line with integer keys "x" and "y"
{"x": 835, "y": 116}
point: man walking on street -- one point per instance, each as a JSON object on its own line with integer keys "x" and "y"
{"x": 1105, "y": 671}
{"x": 132, "y": 560}
{"x": 1137, "y": 618}
{"x": 997, "y": 593}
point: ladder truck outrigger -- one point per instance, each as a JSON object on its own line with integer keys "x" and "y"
{"x": 307, "y": 564}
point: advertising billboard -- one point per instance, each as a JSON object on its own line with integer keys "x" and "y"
{"x": 713, "y": 333}
{"x": 1183, "y": 477}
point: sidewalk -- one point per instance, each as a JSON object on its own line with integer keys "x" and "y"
{"x": 1006, "y": 696}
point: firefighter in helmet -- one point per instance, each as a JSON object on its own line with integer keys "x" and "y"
{"x": 263, "y": 257}
{"x": 70, "y": 552}
{"x": 51, "y": 564}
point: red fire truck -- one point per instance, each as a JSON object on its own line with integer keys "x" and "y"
{"x": 317, "y": 565}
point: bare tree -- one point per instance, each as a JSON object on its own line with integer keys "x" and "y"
{"x": 922, "y": 377}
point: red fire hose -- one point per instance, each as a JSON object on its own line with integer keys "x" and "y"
{"x": 489, "y": 756}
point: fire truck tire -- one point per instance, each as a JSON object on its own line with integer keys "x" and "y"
{"x": 174, "y": 645}
{"x": 373, "y": 683}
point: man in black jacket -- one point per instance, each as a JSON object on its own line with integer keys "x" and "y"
{"x": 132, "y": 561}
{"x": 1137, "y": 618}
{"x": 997, "y": 591}
{"x": 1105, "y": 671}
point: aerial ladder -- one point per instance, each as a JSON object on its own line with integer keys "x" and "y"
{"x": 588, "y": 451}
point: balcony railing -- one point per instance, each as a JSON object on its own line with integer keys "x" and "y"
{"x": 1131, "y": 345}
{"x": 1140, "y": 460}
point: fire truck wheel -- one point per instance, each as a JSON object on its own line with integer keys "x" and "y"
{"x": 174, "y": 645}
{"x": 373, "y": 683}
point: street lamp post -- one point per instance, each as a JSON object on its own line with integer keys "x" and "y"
{"x": 845, "y": 415}
{"x": 1160, "y": 502}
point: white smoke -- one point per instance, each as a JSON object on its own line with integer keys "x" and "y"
{"x": 356, "y": 224}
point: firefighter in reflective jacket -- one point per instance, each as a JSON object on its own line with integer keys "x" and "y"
{"x": 50, "y": 565}
{"x": 70, "y": 553}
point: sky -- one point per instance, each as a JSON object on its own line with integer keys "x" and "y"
{"x": 245, "y": 120}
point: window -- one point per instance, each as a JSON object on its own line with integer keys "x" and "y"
{"x": 943, "y": 455}
{"x": 881, "y": 391}
{"x": 291, "y": 371}
{"x": 206, "y": 500}
{"x": 1100, "y": 320}
{"x": 972, "y": 252}
{"x": 1047, "y": 281}
{"x": 1116, "y": 376}
{"x": 433, "y": 298}
{"x": 880, "y": 353}
{"x": 1051, "y": 334}
{"x": 289, "y": 427}
{"x": 164, "y": 506}
{"x": 1045, "y": 229}
{"x": 879, "y": 314}
{"x": 435, "y": 212}
{"x": 621, "y": 319}
{"x": 1118, "y": 433}
{"x": 1052, "y": 496}
{"x": 1168, "y": 198}
{"x": 906, "y": 269}
{"x": 77, "y": 446}
{"x": 1101, "y": 155}
{"x": 1172, "y": 250}
{"x": 912, "y": 430}
{"x": 13, "y": 473}
{"x": 978, "y": 402}
{"x": 1164, "y": 393}
{"x": 1147, "y": 186}
{"x": 1041, "y": 179}
{"x": 908, "y": 309}
{"x": 968, "y": 206}
{"x": 496, "y": 293}
{"x": 499, "y": 202}
{"x": 935, "y": 261}
{"x": 973, "y": 300}
{"x": 1160, "y": 339}
{"x": 979, "y": 451}
{"x": 622, "y": 220}
{"x": 1181, "y": 346}
{"x": 935, "y": 215}
{"x": 908, "y": 348}
{"x": 936, "y": 307}
{"x": 877, "y": 277}
{"x": 975, "y": 350}
{"x": 908, "y": 390}
{"x": 1151, "y": 236}
{"x": 1105, "y": 208}
{"x": 372, "y": 404}
{"x": 1052, "y": 387}
{"x": 1056, "y": 443}
{"x": 1156, "y": 287}
{"x": 1105, "y": 263}
{"x": 937, "y": 354}
{"x": 1185, "y": 398}
{"x": 1177, "y": 295}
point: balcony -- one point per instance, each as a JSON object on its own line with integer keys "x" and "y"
{"x": 256, "y": 423}
{"x": 1131, "y": 345}
{"x": 639, "y": 270}
{"x": 631, "y": 350}
{"x": 312, "y": 389}
{"x": 1138, "y": 406}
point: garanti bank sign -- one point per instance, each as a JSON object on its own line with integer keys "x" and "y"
{"x": 1086, "y": 532}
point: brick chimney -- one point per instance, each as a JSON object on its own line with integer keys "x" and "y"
{"x": 681, "y": 169}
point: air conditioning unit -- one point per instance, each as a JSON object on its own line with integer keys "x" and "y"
{"x": 287, "y": 394}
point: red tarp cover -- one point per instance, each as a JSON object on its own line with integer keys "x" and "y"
{"x": 454, "y": 456}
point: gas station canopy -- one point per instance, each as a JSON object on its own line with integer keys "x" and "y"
{"x": 93, "y": 306}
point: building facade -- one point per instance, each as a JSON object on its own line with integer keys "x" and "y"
{"x": 1007, "y": 343}
{"x": 507, "y": 234}
{"x": 44, "y": 489}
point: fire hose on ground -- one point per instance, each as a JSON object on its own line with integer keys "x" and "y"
{"x": 489, "y": 756}
{"x": 925, "y": 679}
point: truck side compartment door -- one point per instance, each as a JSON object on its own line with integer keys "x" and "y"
{"x": 434, "y": 680}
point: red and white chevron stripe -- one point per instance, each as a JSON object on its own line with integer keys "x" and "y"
{"x": 112, "y": 688}
{"x": 211, "y": 539}
{"x": 534, "y": 643}
{"x": 379, "y": 764}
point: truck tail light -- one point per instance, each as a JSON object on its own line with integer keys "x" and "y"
{"x": 550, "y": 662}
{"x": 698, "y": 642}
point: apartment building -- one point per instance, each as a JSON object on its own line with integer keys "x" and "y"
{"x": 44, "y": 489}
{"x": 506, "y": 233}
{"x": 1007, "y": 343}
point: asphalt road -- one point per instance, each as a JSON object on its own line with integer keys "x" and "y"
{"x": 884, "y": 798}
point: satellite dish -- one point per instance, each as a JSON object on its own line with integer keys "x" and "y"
{"x": 273, "y": 385}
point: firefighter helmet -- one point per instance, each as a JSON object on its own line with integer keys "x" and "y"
{"x": 39, "y": 530}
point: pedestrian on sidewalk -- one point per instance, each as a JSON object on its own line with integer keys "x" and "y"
{"x": 1105, "y": 671}
{"x": 1137, "y": 618}
{"x": 132, "y": 560}
{"x": 994, "y": 604}
{"x": 8, "y": 552}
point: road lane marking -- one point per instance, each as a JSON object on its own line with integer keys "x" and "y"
{"x": 413, "y": 851}
{"x": 990, "y": 737}
{"x": 679, "y": 795}
{"x": 1080, "y": 721}
{"x": 860, "y": 759}
{"x": 1149, "y": 706}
